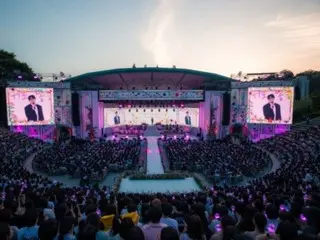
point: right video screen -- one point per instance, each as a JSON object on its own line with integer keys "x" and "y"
{"x": 270, "y": 105}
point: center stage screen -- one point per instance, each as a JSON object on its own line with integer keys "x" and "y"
{"x": 132, "y": 116}
{"x": 30, "y": 106}
{"x": 270, "y": 105}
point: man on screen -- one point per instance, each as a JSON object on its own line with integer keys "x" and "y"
{"x": 187, "y": 119}
{"x": 33, "y": 111}
{"x": 116, "y": 119}
{"x": 272, "y": 110}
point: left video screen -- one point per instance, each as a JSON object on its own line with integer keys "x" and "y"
{"x": 30, "y": 106}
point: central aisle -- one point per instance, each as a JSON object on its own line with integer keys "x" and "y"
{"x": 154, "y": 164}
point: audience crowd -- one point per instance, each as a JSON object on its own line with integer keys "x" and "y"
{"x": 82, "y": 158}
{"x": 282, "y": 205}
{"x": 216, "y": 159}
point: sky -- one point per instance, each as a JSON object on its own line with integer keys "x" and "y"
{"x": 220, "y": 36}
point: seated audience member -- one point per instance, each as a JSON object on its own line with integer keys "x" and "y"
{"x": 227, "y": 228}
{"x": 260, "y": 223}
{"x": 30, "y": 231}
{"x": 5, "y": 231}
{"x": 169, "y": 233}
{"x": 193, "y": 229}
{"x": 132, "y": 213}
{"x": 91, "y": 230}
{"x": 153, "y": 229}
{"x": 166, "y": 217}
{"x": 287, "y": 231}
{"x": 66, "y": 229}
{"x": 48, "y": 230}
{"x": 135, "y": 233}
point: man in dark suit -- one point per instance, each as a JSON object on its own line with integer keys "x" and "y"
{"x": 33, "y": 111}
{"x": 187, "y": 119}
{"x": 272, "y": 110}
{"x": 116, "y": 119}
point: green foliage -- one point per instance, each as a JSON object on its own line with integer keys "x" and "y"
{"x": 303, "y": 104}
{"x": 314, "y": 78}
{"x": 10, "y": 67}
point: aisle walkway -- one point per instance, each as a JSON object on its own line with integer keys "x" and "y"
{"x": 154, "y": 164}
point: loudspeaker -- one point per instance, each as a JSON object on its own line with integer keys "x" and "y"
{"x": 75, "y": 109}
{"x": 226, "y": 109}
{"x": 3, "y": 107}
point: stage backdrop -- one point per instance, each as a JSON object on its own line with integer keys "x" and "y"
{"x": 21, "y": 112}
{"x": 133, "y": 116}
{"x": 270, "y": 105}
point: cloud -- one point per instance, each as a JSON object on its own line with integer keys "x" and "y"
{"x": 302, "y": 30}
{"x": 156, "y": 38}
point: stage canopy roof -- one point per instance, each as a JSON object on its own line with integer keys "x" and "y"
{"x": 150, "y": 78}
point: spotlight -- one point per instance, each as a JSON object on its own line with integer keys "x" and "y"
{"x": 113, "y": 137}
{"x": 182, "y": 105}
{"x": 175, "y": 137}
{"x": 141, "y": 137}
{"x": 162, "y": 137}
{"x": 19, "y": 77}
{"x": 127, "y": 137}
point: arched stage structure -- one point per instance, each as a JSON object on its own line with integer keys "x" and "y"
{"x": 103, "y": 103}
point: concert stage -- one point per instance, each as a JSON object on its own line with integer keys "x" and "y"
{"x": 107, "y": 103}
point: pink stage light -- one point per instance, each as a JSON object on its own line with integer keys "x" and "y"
{"x": 127, "y": 137}
{"x": 162, "y": 137}
{"x": 113, "y": 137}
{"x": 174, "y": 137}
{"x": 129, "y": 106}
{"x": 120, "y": 106}
{"x": 187, "y": 137}
{"x": 182, "y": 105}
{"x": 141, "y": 137}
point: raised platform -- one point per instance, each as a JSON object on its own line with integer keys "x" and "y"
{"x": 159, "y": 186}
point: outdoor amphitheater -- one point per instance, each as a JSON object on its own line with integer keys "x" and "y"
{"x": 214, "y": 153}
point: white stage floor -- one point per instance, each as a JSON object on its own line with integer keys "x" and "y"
{"x": 158, "y": 186}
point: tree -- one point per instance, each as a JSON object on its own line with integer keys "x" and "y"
{"x": 10, "y": 67}
{"x": 286, "y": 74}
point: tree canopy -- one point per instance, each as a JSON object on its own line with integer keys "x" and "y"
{"x": 11, "y": 67}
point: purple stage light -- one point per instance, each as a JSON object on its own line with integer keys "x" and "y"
{"x": 141, "y": 137}
{"x": 127, "y": 137}
{"x": 174, "y": 137}
{"x": 217, "y": 216}
{"x": 162, "y": 137}
{"x": 19, "y": 77}
{"x": 113, "y": 137}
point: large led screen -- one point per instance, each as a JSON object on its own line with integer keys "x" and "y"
{"x": 270, "y": 105}
{"x": 30, "y": 106}
{"x": 133, "y": 116}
